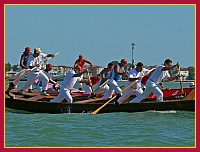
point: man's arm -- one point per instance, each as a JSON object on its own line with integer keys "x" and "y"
{"x": 79, "y": 74}
{"x": 88, "y": 62}
{"x": 169, "y": 68}
{"x": 75, "y": 64}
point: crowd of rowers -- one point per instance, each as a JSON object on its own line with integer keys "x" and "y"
{"x": 111, "y": 75}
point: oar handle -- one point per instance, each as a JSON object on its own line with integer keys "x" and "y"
{"x": 101, "y": 85}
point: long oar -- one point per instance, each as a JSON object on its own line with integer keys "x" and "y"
{"x": 10, "y": 77}
{"x": 21, "y": 76}
{"x": 97, "y": 110}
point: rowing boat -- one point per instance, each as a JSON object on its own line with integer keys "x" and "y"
{"x": 36, "y": 104}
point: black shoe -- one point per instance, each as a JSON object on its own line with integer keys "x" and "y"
{"x": 116, "y": 102}
{"x": 92, "y": 96}
{"x": 30, "y": 90}
{"x": 11, "y": 86}
{"x": 80, "y": 89}
{"x": 118, "y": 96}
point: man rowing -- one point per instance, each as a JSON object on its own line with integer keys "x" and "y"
{"x": 81, "y": 62}
{"x": 116, "y": 74}
{"x": 104, "y": 76}
{"x": 68, "y": 83}
{"x": 135, "y": 74}
{"x": 23, "y": 67}
{"x": 34, "y": 62}
{"x": 51, "y": 83}
{"x": 160, "y": 73}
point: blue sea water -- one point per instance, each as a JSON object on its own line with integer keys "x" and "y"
{"x": 139, "y": 129}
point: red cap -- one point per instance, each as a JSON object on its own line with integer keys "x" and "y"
{"x": 124, "y": 61}
{"x": 27, "y": 49}
{"x": 49, "y": 65}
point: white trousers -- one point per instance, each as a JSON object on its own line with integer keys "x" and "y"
{"x": 64, "y": 94}
{"x": 113, "y": 87}
{"x": 39, "y": 88}
{"x": 81, "y": 84}
{"x": 126, "y": 94}
{"x": 21, "y": 71}
{"x": 150, "y": 87}
{"x": 88, "y": 89}
{"x": 103, "y": 89}
{"x": 32, "y": 76}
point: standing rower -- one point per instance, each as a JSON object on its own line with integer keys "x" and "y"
{"x": 23, "y": 67}
{"x": 136, "y": 74}
{"x": 116, "y": 74}
{"x": 81, "y": 62}
{"x": 46, "y": 71}
{"x": 104, "y": 76}
{"x": 68, "y": 83}
{"x": 160, "y": 73}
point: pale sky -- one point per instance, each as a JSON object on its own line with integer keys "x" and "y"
{"x": 103, "y": 33}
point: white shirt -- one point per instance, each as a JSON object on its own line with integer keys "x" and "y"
{"x": 32, "y": 61}
{"x": 158, "y": 75}
{"x": 69, "y": 81}
{"x": 133, "y": 73}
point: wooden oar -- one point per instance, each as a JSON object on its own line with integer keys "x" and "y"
{"x": 97, "y": 110}
{"x": 14, "y": 75}
{"x": 21, "y": 76}
{"x": 99, "y": 87}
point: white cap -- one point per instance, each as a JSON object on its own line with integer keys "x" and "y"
{"x": 37, "y": 50}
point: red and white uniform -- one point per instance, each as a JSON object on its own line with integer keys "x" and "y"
{"x": 135, "y": 88}
{"x": 151, "y": 86}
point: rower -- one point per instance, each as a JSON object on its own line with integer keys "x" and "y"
{"x": 68, "y": 83}
{"x": 81, "y": 62}
{"x": 160, "y": 73}
{"x": 34, "y": 62}
{"x": 104, "y": 76}
{"x": 23, "y": 67}
{"x": 94, "y": 80}
{"x": 135, "y": 74}
{"x": 46, "y": 71}
{"x": 116, "y": 74}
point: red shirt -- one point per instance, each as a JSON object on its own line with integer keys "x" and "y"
{"x": 81, "y": 64}
{"x": 145, "y": 78}
{"x": 94, "y": 80}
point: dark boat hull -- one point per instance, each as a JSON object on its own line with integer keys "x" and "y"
{"x": 47, "y": 107}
